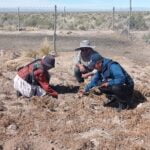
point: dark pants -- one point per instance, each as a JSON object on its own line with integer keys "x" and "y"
{"x": 78, "y": 74}
{"x": 122, "y": 93}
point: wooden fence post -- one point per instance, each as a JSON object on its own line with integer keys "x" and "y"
{"x": 64, "y": 17}
{"x": 113, "y": 18}
{"x": 18, "y": 19}
{"x": 129, "y": 24}
{"x": 55, "y": 28}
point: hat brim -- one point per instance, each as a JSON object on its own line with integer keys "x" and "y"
{"x": 92, "y": 47}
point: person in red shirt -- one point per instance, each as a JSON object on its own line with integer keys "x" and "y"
{"x": 36, "y": 74}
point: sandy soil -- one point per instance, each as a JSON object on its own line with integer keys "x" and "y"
{"x": 71, "y": 122}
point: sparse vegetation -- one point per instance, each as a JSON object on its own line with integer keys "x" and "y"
{"x": 30, "y": 53}
{"x": 44, "y": 50}
{"x": 146, "y": 38}
{"x": 75, "y": 21}
{"x": 138, "y": 22}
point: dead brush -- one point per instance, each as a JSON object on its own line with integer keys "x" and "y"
{"x": 45, "y": 49}
{"x": 12, "y": 65}
{"x": 29, "y": 53}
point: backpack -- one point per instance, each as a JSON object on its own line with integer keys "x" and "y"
{"x": 30, "y": 78}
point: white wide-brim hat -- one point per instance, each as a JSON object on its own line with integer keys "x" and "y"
{"x": 85, "y": 44}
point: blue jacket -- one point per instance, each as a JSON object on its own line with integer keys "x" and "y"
{"x": 113, "y": 73}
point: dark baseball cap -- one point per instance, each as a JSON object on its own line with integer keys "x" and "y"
{"x": 49, "y": 61}
{"x": 94, "y": 59}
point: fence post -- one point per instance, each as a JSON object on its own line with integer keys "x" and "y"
{"x": 113, "y": 18}
{"x": 55, "y": 28}
{"x": 64, "y": 16}
{"x": 129, "y": 24}
{"x": 18, "y": 19}
{"x": 64, "y": 11}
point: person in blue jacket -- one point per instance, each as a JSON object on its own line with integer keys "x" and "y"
{"x": 112, "y": 79}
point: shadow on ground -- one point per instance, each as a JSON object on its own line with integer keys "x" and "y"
{"x": 137, "y": 98}
{"x": 62, "y": 89}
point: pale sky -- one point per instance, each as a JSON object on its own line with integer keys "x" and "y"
{"x": 75, "y": 4}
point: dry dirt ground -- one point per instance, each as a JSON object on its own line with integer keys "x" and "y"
{"x": 73, "y": 122}
{"x": 107, "y": 43}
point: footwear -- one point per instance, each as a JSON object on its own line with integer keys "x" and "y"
{"x": 122, "y": 106}
{"x": 109, "y": 101}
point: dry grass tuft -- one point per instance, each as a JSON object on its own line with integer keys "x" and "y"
{"x": 45, "y": 49}
{"x": 29, "y": 53}
{"x": 12, "y": 65}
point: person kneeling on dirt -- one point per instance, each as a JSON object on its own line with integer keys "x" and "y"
{"x": 112, "y": 80}
{"x": 33, "y": 78}
{"x": 82, "y": 60}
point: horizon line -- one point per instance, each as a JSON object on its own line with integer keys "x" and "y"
{"x": 50, "y": 9}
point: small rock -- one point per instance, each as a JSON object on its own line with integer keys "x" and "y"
{"x": 12, "y": 129}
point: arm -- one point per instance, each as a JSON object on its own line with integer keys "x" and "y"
{"x": 78, "y": 64}
{"x": 95, "y": 81}
{"x": 44, "y": 83}
{"x": 77, "y": 58}
{"x": 86, "y": 75}
{"x": 117, "y": 74}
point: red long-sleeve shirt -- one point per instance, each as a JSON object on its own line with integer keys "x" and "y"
{"x": 42, "y": 77}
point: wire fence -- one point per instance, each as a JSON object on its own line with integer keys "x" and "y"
{"x": 43, "y": 19}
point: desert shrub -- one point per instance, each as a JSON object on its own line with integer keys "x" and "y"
{"x": 75, "y": 21}
{"x": 146, "y": 38}
{"x": 99, "y": 20}
{"x": 1, "y": 25}
{"x": 121, "y": 25}
{"x": 123, "y": 16}
{"x": 4, "y": 18}
{"x": 82, "y": 27}
{"x": 50, "y": 25}
{"x": 92, "y": 26}
{"x": 46, "y": 48}
{"x": 36, "y": 20}
{"x": 31, "y": 21}
{"x": 138, "y": 23}
{"x": 70, "y": 26}
{"x": 30, "y": 53}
